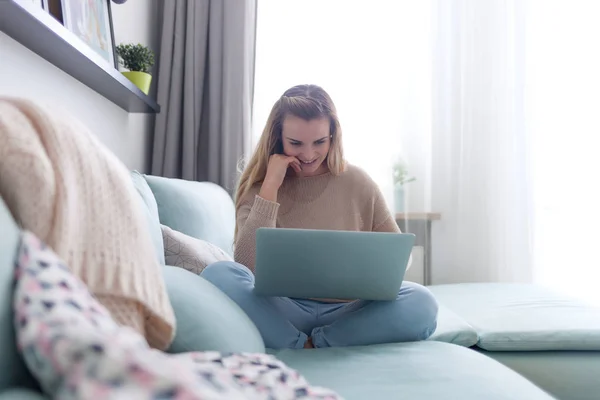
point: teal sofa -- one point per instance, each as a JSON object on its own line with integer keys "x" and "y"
{"x": 485, "y": 347}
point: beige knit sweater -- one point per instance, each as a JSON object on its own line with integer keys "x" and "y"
{"x": 63, "y": 185}
{"x": 350, "y": 201}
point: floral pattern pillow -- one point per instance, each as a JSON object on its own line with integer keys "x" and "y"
{"x": 76, "y": 350}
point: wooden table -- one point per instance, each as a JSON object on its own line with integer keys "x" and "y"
{"x": 419, "y": 223}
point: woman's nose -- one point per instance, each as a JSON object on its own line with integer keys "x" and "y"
{"x": 308, "y": 153}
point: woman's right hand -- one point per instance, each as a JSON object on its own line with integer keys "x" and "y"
{"x": 276, "y": 171}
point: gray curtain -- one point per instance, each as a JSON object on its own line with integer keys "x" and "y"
{"x": 205, "y": 89}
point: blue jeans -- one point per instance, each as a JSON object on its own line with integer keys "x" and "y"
{"x": 286, "y": 323}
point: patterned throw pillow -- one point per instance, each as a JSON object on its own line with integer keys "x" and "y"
{"x": 76, "y": 350}
{"x": 188, "y": 252}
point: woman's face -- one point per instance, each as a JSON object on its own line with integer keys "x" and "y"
{"x": 308, "y": 141}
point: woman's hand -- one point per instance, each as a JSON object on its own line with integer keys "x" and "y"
{"x": 276, "y": 171}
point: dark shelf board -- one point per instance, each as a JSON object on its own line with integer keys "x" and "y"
{"x": 37, "y": 30}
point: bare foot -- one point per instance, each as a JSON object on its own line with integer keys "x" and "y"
{"x": 309, "y": 344}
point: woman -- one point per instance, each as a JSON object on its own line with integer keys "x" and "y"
{"x": 297, "y": 178}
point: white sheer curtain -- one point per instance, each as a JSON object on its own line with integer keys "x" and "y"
{"x": 493, "y": 104}
{"x": 480, "y": 169}
{"x": 563, "y": 105}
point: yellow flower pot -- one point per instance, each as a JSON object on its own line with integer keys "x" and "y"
{"x": 140, "y": 79}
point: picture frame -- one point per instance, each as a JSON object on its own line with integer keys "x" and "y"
{"x": 41, "y": 3}
{"x": 91, "y": 21}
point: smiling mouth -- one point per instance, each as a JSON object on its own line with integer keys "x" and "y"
{"x": 308, "y": 162}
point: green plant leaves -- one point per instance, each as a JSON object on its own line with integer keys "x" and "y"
{"x": 136, "y": 57}
{"x": 400, "y": 172}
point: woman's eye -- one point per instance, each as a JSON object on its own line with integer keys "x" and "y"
{"x": 320, "y": 142}
{"x": 295, "y": 144}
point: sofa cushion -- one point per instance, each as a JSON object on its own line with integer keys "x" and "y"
{"x": 12, "y": 367}
{"x": 453, "y": 329}
{"x": 417, "y": 370}
{"x": 190, "y": 253}
{"x": 202, "y": 210}
{"x": 22, "y": 394}
{"x": 206, "y": 318}
{"x": 521, "y": 317}
{"x": 563, "y": 374}
{"x": 150, "y": 211}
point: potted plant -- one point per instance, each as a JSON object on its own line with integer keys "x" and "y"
{"x": 401, "y": 178}
{"x": 138, "y": 59}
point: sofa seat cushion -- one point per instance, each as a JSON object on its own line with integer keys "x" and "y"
{"x": 521, "y": 317}
{"x": 207, "y": 320}
{"x": 451, "y": 328}
{"x": 416, "y": 370}
{"x": 563, "y": 374}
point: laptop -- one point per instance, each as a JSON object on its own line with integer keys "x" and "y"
{"x": 304, "y": 263}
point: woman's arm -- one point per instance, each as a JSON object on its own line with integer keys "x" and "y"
{"x": 252, "y": 215}
{"x": 388, "y": 225}
{"x": 383, "y": 220}
{"x": 260, "y": 210}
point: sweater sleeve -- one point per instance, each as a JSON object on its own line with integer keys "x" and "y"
{"x": 252, "y": 215}
{"x": 383, "y": 220}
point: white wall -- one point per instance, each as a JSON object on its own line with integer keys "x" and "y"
{"x": 25, "y": 74}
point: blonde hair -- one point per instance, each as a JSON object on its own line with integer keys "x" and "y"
{"x": 303, "y": 101}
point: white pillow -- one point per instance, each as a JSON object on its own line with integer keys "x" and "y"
{"x": 188, "y": 252}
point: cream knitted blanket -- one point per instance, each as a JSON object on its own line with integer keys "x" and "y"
{"x": 65, "y": 186}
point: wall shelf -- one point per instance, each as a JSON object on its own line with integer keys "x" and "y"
{"x": 37, "y": 30}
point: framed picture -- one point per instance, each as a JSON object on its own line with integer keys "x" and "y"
{"x": 91, "y": 21}
{"x": 39, "y": 3}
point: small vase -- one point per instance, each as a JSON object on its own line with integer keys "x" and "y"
{"x": 140, "y": 79}
{"x": 399, "y": 199}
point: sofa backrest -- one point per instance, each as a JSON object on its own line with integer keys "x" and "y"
{"x": 150, "y": 211}
{"x": 202, "y": 210}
